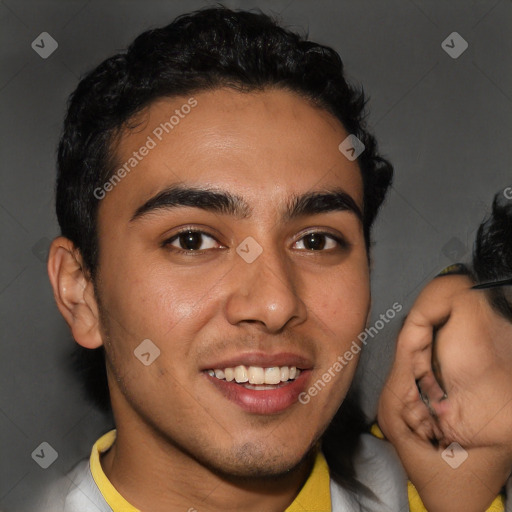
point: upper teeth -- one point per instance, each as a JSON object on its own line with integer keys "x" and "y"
{"x": 257, "y": 374}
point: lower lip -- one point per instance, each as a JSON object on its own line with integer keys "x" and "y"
{"x": 268, "y": 401}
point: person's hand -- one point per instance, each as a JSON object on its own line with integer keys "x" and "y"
{"x": 465, "y": 378}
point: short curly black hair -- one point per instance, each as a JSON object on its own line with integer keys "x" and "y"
{"x": 492, "y": 254}
{"x": 205, "y": 50}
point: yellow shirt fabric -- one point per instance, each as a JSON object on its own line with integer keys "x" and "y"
{"x": 415, "y": 503}
{"x": 315, "y": 495}
{"x": 116, "y": 502}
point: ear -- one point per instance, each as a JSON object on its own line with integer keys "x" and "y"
{"x": 74, "y": 292}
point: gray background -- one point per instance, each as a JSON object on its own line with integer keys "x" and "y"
{"x": 445, "y": 123}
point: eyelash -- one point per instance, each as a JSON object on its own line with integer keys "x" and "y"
{"x": 342, "y": 244}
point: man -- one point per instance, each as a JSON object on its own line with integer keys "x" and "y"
{"x": 215, "y": 242}
{"x": 454, "y": 435}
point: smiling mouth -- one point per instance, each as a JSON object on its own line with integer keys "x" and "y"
{"x": 257, "y": 377}
{"x": 261, "y": 390}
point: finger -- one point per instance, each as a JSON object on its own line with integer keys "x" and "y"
{"x": 421, "y": 423}
{"x": 431, "y": 389}
{"x": 415, "y": 341}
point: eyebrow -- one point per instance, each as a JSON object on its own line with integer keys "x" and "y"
{"x": 219, "y": 201}
{"x": 206, "y": 199}
{"x": 314, "y": 203}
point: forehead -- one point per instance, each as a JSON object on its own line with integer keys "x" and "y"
{"x": 260, "y": 145}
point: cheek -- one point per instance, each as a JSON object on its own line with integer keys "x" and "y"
{"x": 342, "y": 303}
{"x": 340, "y": 309}
{"x": 150, "y": 300}
{"x": 149, "y": 303}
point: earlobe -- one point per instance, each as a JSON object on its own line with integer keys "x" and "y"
{"x": 74, "y": 293}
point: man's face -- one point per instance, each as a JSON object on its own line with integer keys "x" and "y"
{"x": 209, "y": 300}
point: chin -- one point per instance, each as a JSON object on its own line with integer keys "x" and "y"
{"x": 251, "y": 461}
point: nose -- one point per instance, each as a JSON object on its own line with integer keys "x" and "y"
{"x": 265, "y": 292}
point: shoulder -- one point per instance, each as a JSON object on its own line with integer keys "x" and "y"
{"x": 378, "y": 468}
{"x": 74, "y": 492}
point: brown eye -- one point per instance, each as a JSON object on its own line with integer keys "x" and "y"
{"x": 314, "y": 242}
{"x": 318, "y": 242}
{"x": 192, "y": 241}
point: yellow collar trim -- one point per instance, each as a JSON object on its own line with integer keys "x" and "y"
{"x": 116, "y": 502}
{"x": 315, "y": 495}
